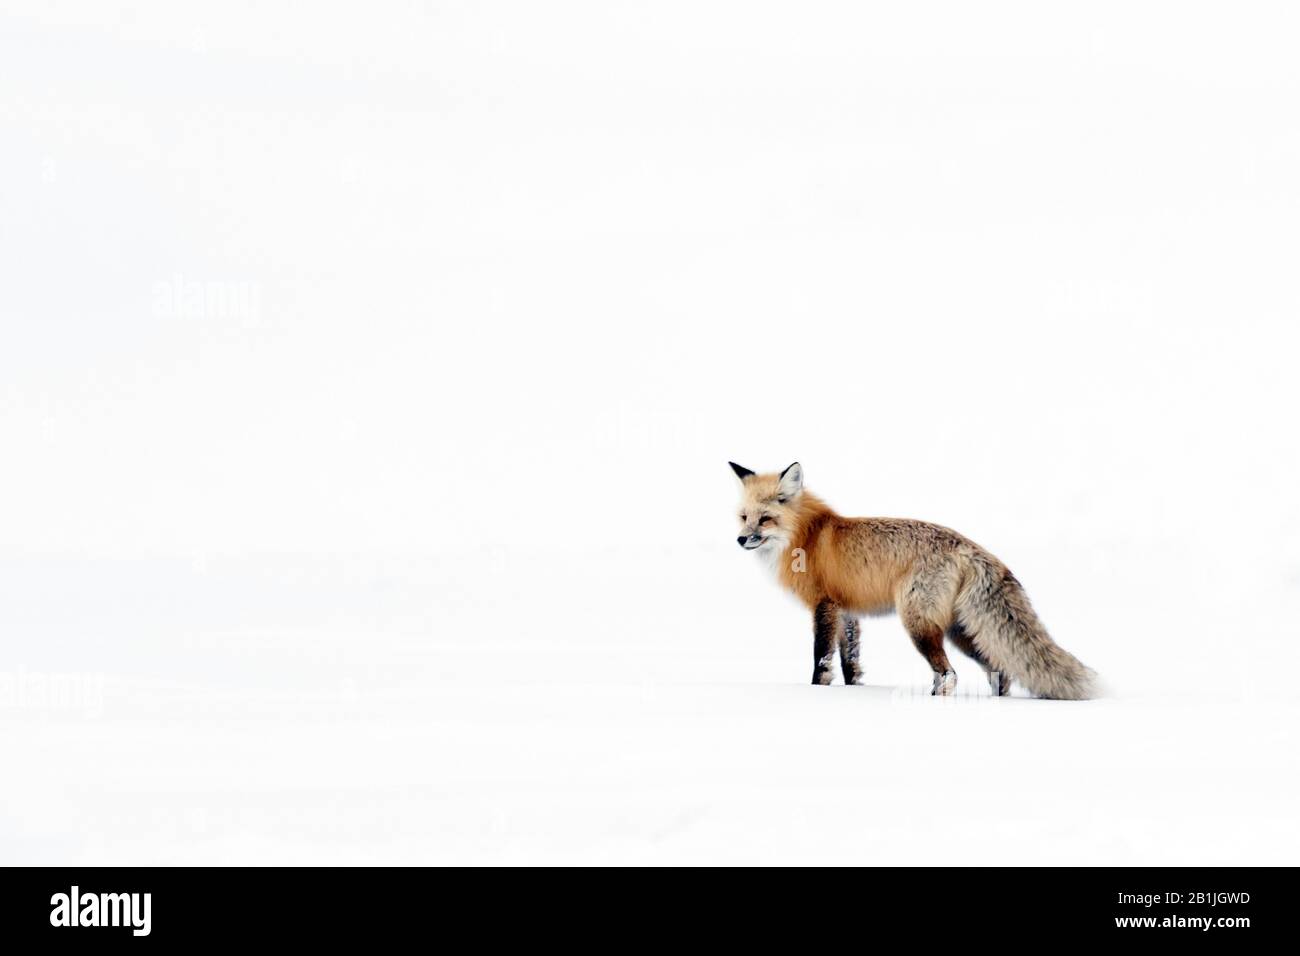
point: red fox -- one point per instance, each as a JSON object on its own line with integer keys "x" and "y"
{"x": 939, "y": 583}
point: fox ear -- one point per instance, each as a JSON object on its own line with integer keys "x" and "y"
{"x": 741, "y": 472}
{"x": 791, "y": 483}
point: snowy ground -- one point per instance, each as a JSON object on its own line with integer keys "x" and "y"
{"x": 367, "y": 383}
{"x": 480, "y": 739}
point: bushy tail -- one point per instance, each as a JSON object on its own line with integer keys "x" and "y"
{"x": 995, "y": 611}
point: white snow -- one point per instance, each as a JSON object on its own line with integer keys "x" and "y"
{"x": 369, "y": 382}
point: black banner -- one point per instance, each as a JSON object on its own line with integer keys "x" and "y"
{"x": 144, "y": 907}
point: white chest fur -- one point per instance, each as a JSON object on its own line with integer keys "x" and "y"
{"x": 771, "y": 555}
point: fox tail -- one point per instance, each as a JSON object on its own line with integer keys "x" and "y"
{"x": 995, "y": 611}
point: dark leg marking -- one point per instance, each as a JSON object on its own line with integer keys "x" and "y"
{"x": 826, "y": 622}
{"x": 849, "y": 649}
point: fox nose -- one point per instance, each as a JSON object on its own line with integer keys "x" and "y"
{"x": 741, "y": 540}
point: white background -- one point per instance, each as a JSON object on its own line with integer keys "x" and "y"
{"x": 423, "y": 551}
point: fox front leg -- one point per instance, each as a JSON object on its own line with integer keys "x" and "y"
{"x": 826, "y": 626}
{"x": 849, "y": 649}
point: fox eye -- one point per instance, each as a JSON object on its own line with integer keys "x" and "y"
{"x": 765, "y": 519}
{"x": 744, "y": 517}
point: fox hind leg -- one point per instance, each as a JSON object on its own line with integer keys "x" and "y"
{"x": 928, "y": 638}
{"x": 924, "y": 606}
{"x": 999, "y": 681}
{"x": 929, "y": 641}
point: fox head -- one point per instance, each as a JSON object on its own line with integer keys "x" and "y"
{"x": 768, "y": 505}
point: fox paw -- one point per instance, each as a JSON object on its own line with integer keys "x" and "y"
{"x": 944, "y": 684}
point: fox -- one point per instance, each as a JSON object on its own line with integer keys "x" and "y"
{"x": 940, "y": 583}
